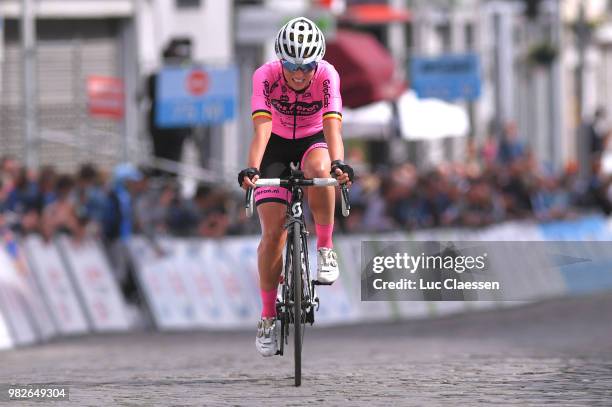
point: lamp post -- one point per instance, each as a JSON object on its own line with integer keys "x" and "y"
{"x": 28, "y": 43}
{"x": 582, "y": 32}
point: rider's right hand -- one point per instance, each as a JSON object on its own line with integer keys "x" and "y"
{"x": 248, "y": 177}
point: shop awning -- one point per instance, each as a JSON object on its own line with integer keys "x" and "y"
{"x": 367, "y": 70}
{"x": 419, "y": 119}
{"x": 429, "y": 119}
{"x": 373, "y": 121}
{"x": 375, "y": 14}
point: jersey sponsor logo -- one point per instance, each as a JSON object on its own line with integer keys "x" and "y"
{"x": 266, "y": 92}
{"x": 298, "y": 108}
{"x": 326, "y": 93}
{"x": 284, "y": 98}
{"x": 261, "y": 191}
{"x": 307, "y": 95}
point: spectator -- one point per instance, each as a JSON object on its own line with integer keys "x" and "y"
{"x": 24, "y": 194}
{"x": 489, "y": 151}
{"x": 516, "y": 190}
{"x": 10, "y": 167}
{"x": 598, "y": 187}
{"x": 549, "y": 201}
{"x": 511, "y": 147}
{"x": 119, "y": 224}
{"x": 179, "y": 216}
{"x": 214, "y": 220}
{"x": 119, "y": 212}
{"x": 47, "y": 181}
{"x": 596, "y": 131}
{"x": 90, "y": 198}
{"x": 481, "y": 205}
{"x": 61, "y": 215}
{"x": 152, "y": 207}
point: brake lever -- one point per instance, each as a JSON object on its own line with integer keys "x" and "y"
{"x": 346, "y": 205}
{"x": 249, "y": 202}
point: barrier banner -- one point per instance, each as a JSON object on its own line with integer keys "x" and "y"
{"x": 163, "y": 285}
{"x": 57, "y": 289}
{"x": 5, "y": 337}
{"x": 241, "y": 306}
{"x": 348, "y": 249}
{"x": 244, "y": 251}
{"x": 102, "y": 300}
{"x": 336, "y": 306}
{"x": 13, "y": 305}
{"x": 202, "y": 284}
{"x": 32, "y": 295}
{"x": 220, "y": 281}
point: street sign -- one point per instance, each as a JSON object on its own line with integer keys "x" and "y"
{"x": 256, "y": 25}
{"x": 448, "y": 77}
{"x": 105, "y": 97}
{"x": 193, "y": 96}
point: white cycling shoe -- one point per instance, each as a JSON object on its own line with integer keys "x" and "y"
{"x": 327, "y": 265}
{"x": 266, "y": 340}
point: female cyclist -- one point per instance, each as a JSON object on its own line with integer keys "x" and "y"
{"x": 296, "y": 107}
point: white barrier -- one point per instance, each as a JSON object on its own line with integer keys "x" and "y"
{"x": 214, "y": 284}
{"x": 13, "y": 304}
{"x": 163, "y": 286}
{"x": 6, "y": 342}
{"x": 57, "y": 289}
{"x": 349, "y": 256}
{"x": 97, "y": 288}
{"x": 33, "y": 297}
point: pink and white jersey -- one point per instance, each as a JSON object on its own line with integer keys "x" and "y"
{"x": 296, "y": 114}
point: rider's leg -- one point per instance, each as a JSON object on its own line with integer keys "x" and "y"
{"x": 316, "y": 164}
{"x": 270, "y": 252}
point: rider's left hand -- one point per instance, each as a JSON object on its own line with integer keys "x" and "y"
{"x": 342, "y": 172}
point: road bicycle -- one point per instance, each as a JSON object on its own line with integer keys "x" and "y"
{"x": 299, "y": 299}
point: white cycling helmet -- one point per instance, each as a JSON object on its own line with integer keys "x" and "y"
{"x": 300, "y": 42}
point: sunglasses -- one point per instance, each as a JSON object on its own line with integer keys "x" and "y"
{"x": 294, "y": 67}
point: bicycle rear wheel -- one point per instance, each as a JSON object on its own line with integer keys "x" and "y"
{"x": 297, "y": 301}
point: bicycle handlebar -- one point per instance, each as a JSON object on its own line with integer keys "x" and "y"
{"x": 316, "y": 182}
{"x": 312, "y": 182}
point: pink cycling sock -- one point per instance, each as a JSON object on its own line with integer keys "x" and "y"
{"x": 268, "y": 298}
{"x": 324, "y": 235}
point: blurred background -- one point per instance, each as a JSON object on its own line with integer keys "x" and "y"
{"x": 454, "y": 97}
{"x": 123, "y": 124}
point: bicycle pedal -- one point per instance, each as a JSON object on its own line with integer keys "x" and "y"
{"x": 317, "y": 282}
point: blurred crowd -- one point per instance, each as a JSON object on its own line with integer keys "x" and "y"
{"x": 112, "y": 206}
{"x": 497, "y": 181}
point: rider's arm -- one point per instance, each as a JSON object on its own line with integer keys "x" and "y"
{"x": 332, "y": 128}
{"x": 333, "y": 138}
{"x": 332, "y": 120}
{"x": 332, "y": 113}
{"x": 262, "y": 121}
{"x": 263, "y": 130}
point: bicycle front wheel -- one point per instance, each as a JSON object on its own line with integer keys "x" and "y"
{"x": 297, "y": 301}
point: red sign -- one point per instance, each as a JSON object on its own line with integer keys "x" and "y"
{"x": 197, "y": 83}
{"x": 105, "y": 97}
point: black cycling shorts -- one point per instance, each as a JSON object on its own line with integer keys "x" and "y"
{"x": 280, "y": 152}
